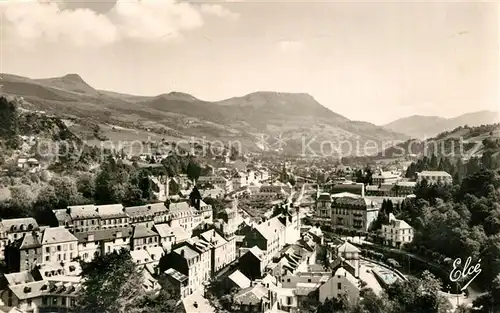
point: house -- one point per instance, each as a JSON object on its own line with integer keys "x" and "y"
{"x": 14, "y": 229}
{"x": 397, "y": 232}
{"x": 353, "y": 213}
{"x": 143, "y": 238}
{"x": 268, "y": 236}
{"x": 251, "y": 263}
{"x": 188, "y": 216}
{"x": 30, "y": 164}
{"x": 215, "y": 193}
{"x": 216, "y": 181}
{"x": 175, "y": 283}
{"x": 204, "y": 248}
{"x": 29, "y": 294}
{"x": 161, "y": 187}
{"x": 255, "y": 298}
{"x": 167, "y": 236}
{"x": 341, "y": 284}
{"x": 58, "y": 245}
{"x": 223, "y": 252}
{"x": 287, "y": 299}
{"x": 30, "y": 252}
{"x": 350, "y": 255}
{"x": 183, "y": 269}
{"x": 323, "y": 207}
{"x": 239, "y": 180}
{"x": 433, "y": 177}
{"x": 102, "y": 241}
{"x": 382, "y": 177}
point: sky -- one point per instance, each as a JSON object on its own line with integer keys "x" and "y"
{"x": 370, "y": 61}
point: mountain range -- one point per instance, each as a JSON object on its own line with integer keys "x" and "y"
{"x": 421, "y": 127}
{"x": 263, "y": 120}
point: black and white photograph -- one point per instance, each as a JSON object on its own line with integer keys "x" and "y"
{"x": 249, "y": 156}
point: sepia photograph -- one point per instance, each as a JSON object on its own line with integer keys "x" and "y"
{"x": 237, "y": 156}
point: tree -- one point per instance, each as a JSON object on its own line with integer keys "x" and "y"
{"x": 111, "y": 284}
{"x": 193, "y": 171}
{"x": 86, "y": 185}
{"x": 418, "y": 295}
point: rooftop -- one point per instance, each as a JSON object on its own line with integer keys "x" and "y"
{"x": 141, "y": 231}
{"x": 434, "y": 173}
{"x": 240, "y": 279}
{"x": 56, "y": 235}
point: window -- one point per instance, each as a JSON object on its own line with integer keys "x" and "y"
{"x": 339, "y": 286}
{"x": 47, "y": 249}
{"x": 63, "y": 301}
{"x": 288, "y": 280}
{"x": 47, "y": 258}
{"x": 29, "y": 302}
{"x": 44, "y": 300}
{"x": 58, "y": 248}
{"x": 289, "y": 300}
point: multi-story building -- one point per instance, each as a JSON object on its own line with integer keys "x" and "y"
{"x": 353, "y": 213}
{"x": 186, "y": 266}
{"x": 143, "y": 238}
{"x": 51, "y": 245}
{"x": 239, "y": 180}
{"x": 433, "y": 177}
{"x": 223, "y": 251}
{"x": 58, "y": 245}
{"x": 205, "y": 249}
{"x": 100, "y": 242}
{"x": 385, "y": 178}
{"x": 219, "y": 181}
{"x": 112, "y": 216}
{"x": 189, "y": 216}
{"x": 22, "y": 291}
{"x": 397, "y": 232}
{"x": 81, "y": 218}
{"x": 166, "y": 236}
{"x": 323, "y": 208}
{"x": 341, "y": 284}
{"x": 147, "y": 215}
{"x": 269, "y": 236}
{"x": 16, "y": 228}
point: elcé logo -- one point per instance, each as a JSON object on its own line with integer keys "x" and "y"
{"x": 457, "y": 274}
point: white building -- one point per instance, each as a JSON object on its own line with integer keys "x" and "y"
{"x": 341, "y": 284}
{"x": 397, "y": 232}
{"x": 58, "y": 245}
{"x": 385, "y": 178}
{"x": 433, "y": 177}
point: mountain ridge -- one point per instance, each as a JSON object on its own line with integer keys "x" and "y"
{"x": 422, "y": 126}
{"x": 297, "y": 116}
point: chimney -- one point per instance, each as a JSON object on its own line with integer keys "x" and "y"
{"x": 118, "y": 234}
{"x": 97, "y": 210}
{"x": 149, "y": 207}
{"x": 182, "y": 253}
{"x": 90, "y": 237}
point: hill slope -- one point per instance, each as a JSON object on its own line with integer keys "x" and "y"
{"x": 463, "y": 141}
{"x": 420, "y": 127}
{"x": 286, "y": 121}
